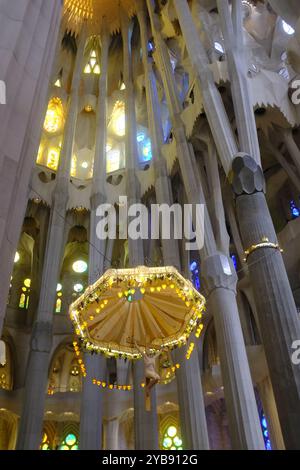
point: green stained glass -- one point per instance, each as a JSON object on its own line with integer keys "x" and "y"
{"x": 177, "y": 441}
{"x": 167, "y": 443}
{"x": 70, "y": 440}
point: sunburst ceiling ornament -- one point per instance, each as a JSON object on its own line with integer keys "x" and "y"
{"x": 156, "y": 308}
{"x": 93, "y": 11}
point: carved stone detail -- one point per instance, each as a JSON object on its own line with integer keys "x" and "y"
{"x": 248, "y": 177}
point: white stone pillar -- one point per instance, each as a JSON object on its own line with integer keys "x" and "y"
{"x": 92, "y": 398}
{"x": 192, "y": 411}
{"x": 217, "y": 266}
{"x": 162, "y": 181}
{"x": 191, "y": 403}
{"x": 112, "y": 434}
{"x": 293, "y": 149}
{"x": 145, "y": 422}
{"x": 31, "y": 424}
{"x": 212, "y": 102}
{"x": 231, "y": 24}
{"x": 277, "y": 315}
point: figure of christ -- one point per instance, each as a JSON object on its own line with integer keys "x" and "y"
{"x": 151, "y": 375}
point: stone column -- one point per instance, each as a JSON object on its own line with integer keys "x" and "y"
{"x": 212, "y": 102}
{"x": 162, "y": 181}
{"x": 191, "y": 402}
{"x": 192, "y": 411}
{"x": 112, "y": 434}
{"x": 26, "y": 96}
{"x": 218, "y": 266}
{"x": 277, "y": 315}
{"x": 145, "y": 422}
{"x": 231, "y": 24}
{"x": 92, "y": 398}
{"x": 31, "y": 424}
{"x": 220, "y": 288}
{"x": 91, "y": 411}
{"x": 293, "y": 149}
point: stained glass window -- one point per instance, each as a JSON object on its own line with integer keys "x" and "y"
{"x": 118, "y": 119}
{"x": 45, "y": 445}
{"x": 195, "y": 272}
{"x": 265, "y": 430}
{"x": 147, "y": 151}
{"x": 295, "y": 212}
{"x": 54, "y": 119}
{"x": 69, "y": 443}
{"x": 92, "y": 66}
{"x": 234, "y": 260}
{"x": 171, "y": 439}
{"x": 53, "y": 158}
{"x": 113, "y": 159}
{"x": 58, "y": 305}
{"x": 25, "y": 294}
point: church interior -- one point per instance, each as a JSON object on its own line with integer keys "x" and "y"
{"x": 164, "y": 102}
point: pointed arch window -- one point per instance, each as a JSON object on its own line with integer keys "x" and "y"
{"x": 92, "y": 66}
{"x": 171, "y": 439}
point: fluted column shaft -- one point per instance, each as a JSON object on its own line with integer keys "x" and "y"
{"x": 233, "y": 355}
{"x": 231, "y": 24}
{"x": 112, "y": 434}
{"x": 293, "y": 149}
{"x": 192, "y": 412}
{"x": 162, "y": 181}
{"x": 31, "y": 424}
{"x": 191, "y": 402}
{"x": 220, "y": 279}
{"x": 145, "y": 422}
{"x": 277, "y": 315}
{"x": 91, "y": 411}
{"x": 212, "y": 101}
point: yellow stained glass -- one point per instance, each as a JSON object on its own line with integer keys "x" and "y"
{"x": 118, "y": 119}
{"x": 55, "y": 116}
{"x": 58, "y": 306}
{"x": 53, "y": 158}
{"x": 22, "y": 301}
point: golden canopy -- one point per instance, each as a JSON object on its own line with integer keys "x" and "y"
{"x": 76, "y": 11}
{"x": 155, "y": 307}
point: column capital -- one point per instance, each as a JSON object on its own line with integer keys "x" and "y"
{"x": 218, "y": 272}
{"x": 247, "y": 175}
{"x": 41, "y": 339}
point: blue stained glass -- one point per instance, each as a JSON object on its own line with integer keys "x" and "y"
{"x": 194, "y": 268}
{"x": 234, "y": 260}
{"x": 147, "y": 151}
{"x": 294, "y": 210}
{"x": 266, "y": 436}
